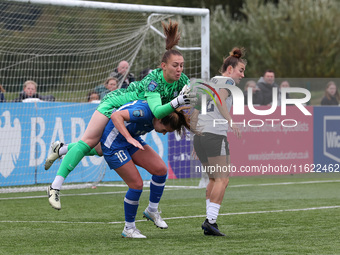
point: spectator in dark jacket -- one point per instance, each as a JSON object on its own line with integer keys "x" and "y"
{"x": 266, "y": 85}
{"x": 332, "y": 96}
{"x": 144, "y": 73}
{"x": 123, "y": 75}
{"x": 30, "y": 91}
{"x": 255, "y": 92}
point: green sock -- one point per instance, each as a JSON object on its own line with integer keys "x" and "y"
{"x": 70, "y": 145}
{"x": 73, "y": 157}
{"x": 93, "y": 152}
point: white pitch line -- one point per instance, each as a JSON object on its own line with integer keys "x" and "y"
{"x": 146, "y": 183}
{"x": 65, "y": 195}
{"x": 80, "y": 194}
{"x": 169, "y": 187}
{"x": 282, "y": 183}
{"x": 180, "y": 217}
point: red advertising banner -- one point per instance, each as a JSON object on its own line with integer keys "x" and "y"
{"x": 272, "y": 144}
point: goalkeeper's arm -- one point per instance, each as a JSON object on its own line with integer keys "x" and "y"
{"x": 156, "y": 107}
{"x": 160, "y": 111}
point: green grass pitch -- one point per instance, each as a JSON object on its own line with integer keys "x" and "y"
{"x": 286, "y": 214}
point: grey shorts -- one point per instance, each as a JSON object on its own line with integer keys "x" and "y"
{"x": 210, "y": 145}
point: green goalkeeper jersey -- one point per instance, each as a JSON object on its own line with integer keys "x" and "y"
{"x": 152, "y": 88}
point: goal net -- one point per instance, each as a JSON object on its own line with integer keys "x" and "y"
{"x": 68, "y": 48}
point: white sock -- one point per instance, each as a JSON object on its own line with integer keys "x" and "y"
{"x": 207, "y": 202}
{"x": 58, "y": 181}
{"x": 153, "y": 207}
{"x": 212, "y": 212}
{"x": 129, "y": 225}
{"x": 63, "y": 150}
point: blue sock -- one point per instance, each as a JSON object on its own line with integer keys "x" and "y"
{"x": 157, "y": 185}
{"x": 131, "y": 202}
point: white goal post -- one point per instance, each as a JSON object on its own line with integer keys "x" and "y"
{"x": 69, "y": 48}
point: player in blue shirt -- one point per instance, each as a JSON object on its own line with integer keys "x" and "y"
{"x": 123, "y": 149}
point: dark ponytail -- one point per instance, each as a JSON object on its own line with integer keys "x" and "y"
{"x": 235, "y": 56}
{"x": 172, "y": 38}
{"x": 179, "y": 120}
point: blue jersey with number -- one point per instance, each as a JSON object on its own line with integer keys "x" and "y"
{"x": 139, "y": 124}
{"x": 116, "y": 150}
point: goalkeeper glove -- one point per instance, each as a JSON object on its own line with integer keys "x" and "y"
{"x": 184, "y": 99}
{"x": 185, "y": 90}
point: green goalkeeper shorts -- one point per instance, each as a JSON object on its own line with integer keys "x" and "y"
{"x": 105, "y": 109}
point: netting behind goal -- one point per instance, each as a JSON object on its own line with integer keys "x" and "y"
{"x": 68, "y": 48}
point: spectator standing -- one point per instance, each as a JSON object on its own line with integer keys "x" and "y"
{"x": 2, "y": 94}
{"x": 266, "y": 84}
{"x": 109, "y": 85}
{"x": 331, "y": 96}
{"x": 255, "y": 92}
{"x": 123, "y": 75}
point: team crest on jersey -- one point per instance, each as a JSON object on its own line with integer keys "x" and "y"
{"x": 152, "y": 86}
{"x": 138, "y": 113}
{"x": 230, "y": 82}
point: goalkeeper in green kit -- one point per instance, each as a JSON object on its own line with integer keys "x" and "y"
{"x": 164, "y": 89}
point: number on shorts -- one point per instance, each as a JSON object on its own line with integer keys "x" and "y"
{"x": 121, "y": 156}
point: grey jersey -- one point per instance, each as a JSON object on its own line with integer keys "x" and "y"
{"x": 213, "y": 122}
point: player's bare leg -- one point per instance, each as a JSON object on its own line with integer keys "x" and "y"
{"x": 218, "y": 182}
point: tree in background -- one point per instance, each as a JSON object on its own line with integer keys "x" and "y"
{"x": 295, "y": 38}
